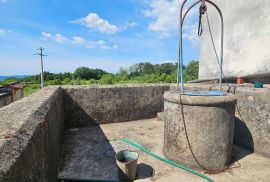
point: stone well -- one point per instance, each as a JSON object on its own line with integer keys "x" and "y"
{"x": 209, "y": 126}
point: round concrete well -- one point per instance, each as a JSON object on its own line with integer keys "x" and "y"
{"x": 209, "y": 125}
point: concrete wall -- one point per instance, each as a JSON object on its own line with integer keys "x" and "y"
{"x": 6, "y": 99}
{"x": 252, "y": 122}
{"x": 30, "y": 137}
{"x": 17, "y": 94}
{"x": 246, "y": 40}
{"x": 30, "y": 129}
{"x": 252, "y": 129}
{"x": 86, "y": 105}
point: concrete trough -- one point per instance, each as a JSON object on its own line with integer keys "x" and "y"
{"x": 209, "y": 126}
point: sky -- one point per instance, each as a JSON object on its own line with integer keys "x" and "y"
{"x": 94, "y": 33}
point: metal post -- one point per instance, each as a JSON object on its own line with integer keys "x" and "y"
{"x": 180, "y": 50}
{"x": 41, "y": 74}
{"x": 41, "y": 62}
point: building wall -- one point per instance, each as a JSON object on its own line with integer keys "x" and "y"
{"x": 246, "y": 40}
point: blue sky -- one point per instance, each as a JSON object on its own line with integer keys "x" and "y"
{"x": 95, "y": 33}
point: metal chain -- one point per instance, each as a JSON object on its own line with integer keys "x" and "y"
{"x": 207, "y": 170}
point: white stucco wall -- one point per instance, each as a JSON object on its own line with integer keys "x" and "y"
{"x": 246, "y": 39}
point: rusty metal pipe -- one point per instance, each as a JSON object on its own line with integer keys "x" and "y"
{"x": 180, "y": 55}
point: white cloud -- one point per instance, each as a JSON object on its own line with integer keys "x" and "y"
{"x": 90, "y": 45}
{"x": 115, "y": 46}
{"x": 167, "y": 61}
{"x": 2, "y": 32}
{"x": 101, "y": 42}
{"x": 166, "y": 16}
{"x": 132, "y": 24}
{"x": 57, "y": 37}
{"x": 190, "y": 34}
{"x": 78, "y": 40}
{"x": 165, "y": 13}
{"x": 129, "y": 25}
{"x": 6, "y": 1}
{"x": 103, "y": 45}
{"x": 60, "y": 38}
{"x": 94, "y": 22}
{"x": 46, "y": 35}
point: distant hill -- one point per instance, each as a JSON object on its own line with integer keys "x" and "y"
{"x": 12, "y": 76}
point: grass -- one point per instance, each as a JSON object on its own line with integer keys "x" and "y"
{"x": 31, "y": 88}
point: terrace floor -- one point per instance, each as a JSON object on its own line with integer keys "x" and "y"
{"x": 89, "y": 153}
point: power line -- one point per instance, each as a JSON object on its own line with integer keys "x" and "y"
{"x": 41, "y": 62}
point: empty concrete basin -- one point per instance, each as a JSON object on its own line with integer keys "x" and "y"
{"x": 209, "y": 126}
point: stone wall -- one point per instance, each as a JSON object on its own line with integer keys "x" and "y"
{"x": 30, "y": 137}
{"x": 6, "y": 99}
{"x": 86, "y": 105}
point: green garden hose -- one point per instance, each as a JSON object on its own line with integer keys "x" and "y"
{"x": 166, "y": 160}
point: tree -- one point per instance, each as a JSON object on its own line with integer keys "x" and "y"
{"x": 192, "y": 70}
{"x": 98, "y": 73}
{"x": 83, "y": 73}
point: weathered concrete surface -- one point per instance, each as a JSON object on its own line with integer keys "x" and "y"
{"x": 246, "y": 40}
{"x": 252, "y": 122}
{"x": 87, "y": 105}
{"x": 30, "y": 137}
{"x": 209, "y": 124}
{"x": 87, "y": 161}
{"x": 5, "y": 99}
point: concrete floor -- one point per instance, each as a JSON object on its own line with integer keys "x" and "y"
{"x": 88, "y": 153}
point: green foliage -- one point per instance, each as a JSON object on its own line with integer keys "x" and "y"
{"x": 136, "y": 73}
{"x": 66, "y": 81}
{"x": 106, "y": 79}
{"x": 83, "y": 73}
{"x": 191, "y": 71}
{"x": 87, "y": 73}
{"x": 8, "y": 81}
{"x": 29, "y": 89}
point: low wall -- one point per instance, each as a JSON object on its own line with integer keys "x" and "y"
{"x": 252, "y": 122}
{"x": 252, "y": 129}
{"x": 86, "y": 105}
{"x": 30, "y": 137}
{"x": 31, "y": 128}
{"x": 5, "y": 99}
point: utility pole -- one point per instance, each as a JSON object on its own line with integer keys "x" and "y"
{"x": 41, "y": 62}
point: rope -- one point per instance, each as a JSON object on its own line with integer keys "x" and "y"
{"x": 218, "y": 61}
